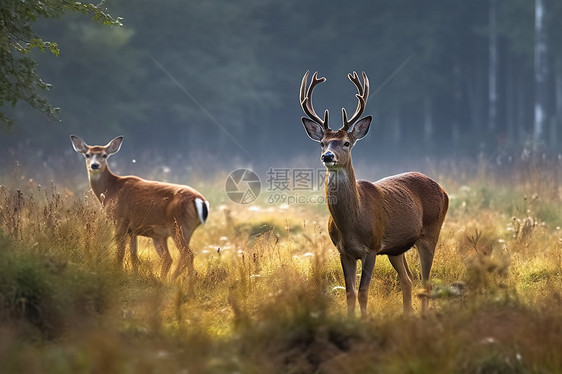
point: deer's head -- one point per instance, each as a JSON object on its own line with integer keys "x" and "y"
{"x": 336, "y": 145}
{"x": 96, "y": 155}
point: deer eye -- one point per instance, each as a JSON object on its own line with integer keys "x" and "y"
{"x": 322, "y": 144}
{"x": 346, "y": 144}
{"x": 104, "y": 156}
{"x": 87, "y": 155}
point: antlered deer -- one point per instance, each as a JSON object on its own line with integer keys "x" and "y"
{"x": 146, "y": 208}
{"x": 367, "y": 219}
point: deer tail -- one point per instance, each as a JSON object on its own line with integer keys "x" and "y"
{"x": 202, "y": 207}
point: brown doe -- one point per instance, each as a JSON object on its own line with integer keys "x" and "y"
{"x": 147, "y": 208}
{"x": 367, "y": 219}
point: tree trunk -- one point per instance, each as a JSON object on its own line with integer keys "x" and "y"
{"x": 540, "y": 76}
{"x": 557, "y": 123}
{"x": 510, "y": 105}
{"x": 457, "y": 97}
{"x": 475, "y": 84}
{"x": 492, "y": 69}
{"x": 521, "y": 115}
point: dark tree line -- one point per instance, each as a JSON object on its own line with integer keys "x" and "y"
{"x": 220, "y": 78}
{"x": 19, "y": 79}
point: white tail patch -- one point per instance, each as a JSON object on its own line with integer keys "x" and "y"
{"x": 202, "y": 207}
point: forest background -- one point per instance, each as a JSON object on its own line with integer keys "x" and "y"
{"x": 216, "y": 82}
{"x": 469, "y": 92}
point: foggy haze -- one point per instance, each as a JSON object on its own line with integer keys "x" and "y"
{"x": 195, "y": 86}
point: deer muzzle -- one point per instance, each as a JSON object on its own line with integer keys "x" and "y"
{"x": 328, "y": 158}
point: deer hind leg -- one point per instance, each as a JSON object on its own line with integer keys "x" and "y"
{"x": 182, "y": 236}
{"x": 161, "y": 245}
{"x": 401, "y": 267}
{"x": 121, "y": 244}
{"x": 349, "y": 266}
{"x": 133, "y": 250}
{"x": 368, "y": 264}
{"x": 426, "y": 251}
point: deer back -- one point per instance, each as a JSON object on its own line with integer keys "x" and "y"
{"x": 412, "y": 204}
{"x": 149, "y": 203}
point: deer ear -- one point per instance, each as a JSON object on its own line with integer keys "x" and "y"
{"x": 314, "y": 130}
{"x": 114, "y": 145}
{"x": 78, "y": 144}
{"x": 360, "y": 128}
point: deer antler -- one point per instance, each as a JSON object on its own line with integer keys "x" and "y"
{"x": 362, "y": 97}
{"x": 306, "y": 99}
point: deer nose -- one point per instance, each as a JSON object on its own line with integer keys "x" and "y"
{"x": 328, "y": 157}
{"x": 95, "y": 166}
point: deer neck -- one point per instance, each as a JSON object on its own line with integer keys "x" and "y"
{"x": 101, "y": 183}
{"x": 342, "y": 196}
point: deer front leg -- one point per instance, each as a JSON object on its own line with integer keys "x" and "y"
{"x": 368, "y": 264}
{"x": 349, "y": 266}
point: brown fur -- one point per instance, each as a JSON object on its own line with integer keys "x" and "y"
{"x": 367, "y": 219}
{"x": 141, "y": 207}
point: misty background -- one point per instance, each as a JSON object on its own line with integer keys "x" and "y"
{"x": 213, "y": 85}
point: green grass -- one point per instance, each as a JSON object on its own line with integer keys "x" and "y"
{"x": 268, "y": 292}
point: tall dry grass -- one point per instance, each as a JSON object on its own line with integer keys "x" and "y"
{"x": 268, "y": 295}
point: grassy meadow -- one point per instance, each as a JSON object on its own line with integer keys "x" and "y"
{"x": 268, "y": 295}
